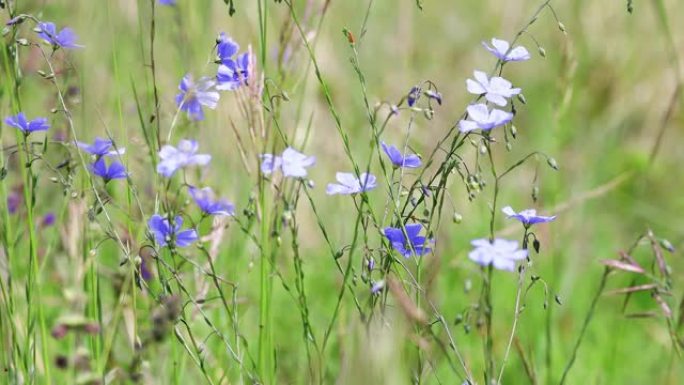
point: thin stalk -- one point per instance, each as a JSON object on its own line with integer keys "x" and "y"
{"x": 587, "y": 320}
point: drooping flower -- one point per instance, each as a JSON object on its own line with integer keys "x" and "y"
{"x": 166, "y": 233}
{"x": 19, "y": 121}
{"x": 292, "y": 163}
{"x": 400, "y": 160}
{"x": 206, "y": 201}
{"x": 527, "y": 217}
{"x": 480, "y": 117}
{"x": 66, "y": 38}
{"x": 193, "y": 96}
{"x": 173, "y": 158}
{"x": 115, "y": 170}
{"x": 496, "y": 90}
{"x": 434, "y": 95}
{"x": 349, "y": 184}
{"x": 502, "y": 50}
{"x": 100, "y": 147}
{"x": 409, "y": 244}
{"x": 413, "y": 95}
{"x": 501, "y": 253}
{"x": 233, "y": 73}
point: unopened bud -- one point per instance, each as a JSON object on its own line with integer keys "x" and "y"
{"x": 542, "y": 51}
{"x": 458, "y": 218}
{"x": 522, "y": 99}
{"x": 667, "y": 245}
{"x": 561, "y": 26}
{"x": 552, "y": 163}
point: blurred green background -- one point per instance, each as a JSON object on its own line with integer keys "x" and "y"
{"x": 598, "y": 103}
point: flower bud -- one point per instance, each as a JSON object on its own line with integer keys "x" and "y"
{"x": 561, "y": 26}
{"x": 458, "y": 218}
{"x": 552, "y": 163}
{"x": 542, "y": 52}
{"x": 667, "y": 245}
{"x": 522, "y": 99}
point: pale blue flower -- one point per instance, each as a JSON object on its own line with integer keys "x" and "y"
{"x": 350, "y": 184}
{"x": 480, "y": 117}
{"x": 501, "y": 253}
{"x": 173, "y": 158}
{"x": 291, "y": 162}
{"x": 527, "y": 217}
{"x": 496, "y": 90}
{"x": 502, "y": 50}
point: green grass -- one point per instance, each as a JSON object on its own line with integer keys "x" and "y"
{"x": 597, "y": 103}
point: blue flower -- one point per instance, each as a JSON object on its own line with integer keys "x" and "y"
{"x": 496, "y": 89}
{"x": 502, "y": 50}
{"x": 173, "y": 158}
{"x": 167, "y": 2}
{"x": 48, "y": 220}
{"x": 398, "y": 159}
{"x": 226, "y": 48}
{"x": 349, "y": 184}
{"x": 501, "y": 253}
{"x": 411, "y": 244}
{"x": 292, "y": 163}
{"x": 480, "y": 117}
{"x": 208, "y": 204}
{"x": 193, "y": 96}
{"x": 66, "y": 38}
{"x": 19, "y": 121}
{"x": 527, "y": 217}
{"x": 115, "y": 170}
{"x": 166, "y": 233}
{"x": 101, "y": 147}
{"x": 233, "y": 73}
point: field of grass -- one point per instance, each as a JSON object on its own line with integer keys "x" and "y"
{"x": 281, "y": 291}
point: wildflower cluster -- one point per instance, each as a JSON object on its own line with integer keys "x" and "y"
{"x": 169, "y": 223}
